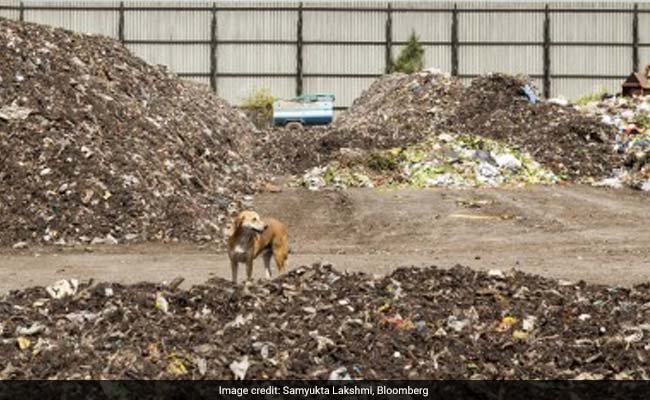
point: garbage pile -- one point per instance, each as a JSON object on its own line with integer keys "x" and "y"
{"x": 319, "y": 323}
{"x": 459, "y": 161}
{"x": 396, "y": 110}
{"x": 98, "y": 146}
{"x": 631, "y": 118}
{"x": 401, "y": 110}
{"x": 573, "y": 145}
{"x": 291, "y": 151}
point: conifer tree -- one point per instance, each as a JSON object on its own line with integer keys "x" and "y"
{"x": 411, "y": 58}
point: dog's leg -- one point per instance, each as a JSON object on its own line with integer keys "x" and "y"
{"x": 267, "y": 264}
{"x": 233, "y": 268}
{"x": 249, "y": 269}
{"x": 280, "y": 250}
{"x": 280, "y": 260}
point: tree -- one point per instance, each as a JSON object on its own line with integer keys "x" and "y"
{"x": 411, "y": 57}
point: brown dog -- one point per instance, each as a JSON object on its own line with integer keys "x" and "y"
{"x": 253, "y": 236}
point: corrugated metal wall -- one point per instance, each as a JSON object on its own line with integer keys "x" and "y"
{"x": 344, "y": 49}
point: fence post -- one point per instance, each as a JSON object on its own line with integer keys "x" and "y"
{"x": 299, "y": 51}
{"x": 213, "y": 49}
{"x": 21, "y": 12}
{"x": 635, "y": 38}
{"x": 454, "y": 41}
{"x": 120, "y": 23}
{"x": 389, "y": 38}
{"x": 547, "y": 53}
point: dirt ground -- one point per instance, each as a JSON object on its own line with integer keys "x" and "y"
{"x": 569, "y": 232}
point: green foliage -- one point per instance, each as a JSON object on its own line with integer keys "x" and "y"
{"x": 591, "y": 97}
{"x": 411, "y": 58}
{"x": 642, "y": 120}
{"x": 259, "y": 106}
{"x": 385, "y": 161}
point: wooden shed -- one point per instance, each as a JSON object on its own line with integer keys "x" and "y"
{"x": 638, "y": 83}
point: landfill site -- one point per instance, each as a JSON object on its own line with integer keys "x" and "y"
{"x": 438, "y": 229}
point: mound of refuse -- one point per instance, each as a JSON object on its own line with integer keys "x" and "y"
{"x": 97, "y": 145}
{"x": 446, "y": 160}
{"x": 401, "y": 110}
{"x": 630, "y": 116}
{"x": 318, "y": 323}
{"x": 571, "y": 144}
{"x": 396, "y": 110}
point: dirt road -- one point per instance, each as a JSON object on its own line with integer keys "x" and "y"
{"x": 573, "y": 232}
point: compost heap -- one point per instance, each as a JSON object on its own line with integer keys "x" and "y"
{"x": 396, "y": 110}
{"x": 631, "y": 118}
{"x": 98, "y": 145}
{"x": 571, "y": 144}
{"x": 399, "y": 111}
{"x": 445, "y": 160}
{"x": 318, "y": 323}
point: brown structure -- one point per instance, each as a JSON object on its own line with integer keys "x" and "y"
{"x": 638, "y": 83}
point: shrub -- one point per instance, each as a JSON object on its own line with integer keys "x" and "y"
{"x": 591, "y": 97}
{"x": 259, "y": 107}
{"x": 642, "y": 120}
{"x": 411, "y": 57}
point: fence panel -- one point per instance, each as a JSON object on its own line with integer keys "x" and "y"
{"x": 94, "y": 17}
{"x": 175, "y": 21}
{"x": 340, "y": 47}
{"x": 256, "y": 49}
{"x": 11, "y": 13}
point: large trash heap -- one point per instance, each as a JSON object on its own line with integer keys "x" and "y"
{"x": 99, "y": 146}
{"x": 430, "y": 130}
{"x": 630, "y": 116}
{"x": 317, "y": 322}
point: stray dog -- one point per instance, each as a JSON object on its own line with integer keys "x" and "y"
{"x": 253, "y": 236}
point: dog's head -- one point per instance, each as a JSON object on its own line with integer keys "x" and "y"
{"x": 250, "y": 220}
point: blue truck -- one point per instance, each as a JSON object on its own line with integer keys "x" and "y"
{"x": 305, "y": 110}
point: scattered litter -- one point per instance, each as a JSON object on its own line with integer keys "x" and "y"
{"x": 176, "y": 367}
{"x": 630, "y": 116}
{"x": 63, "y": 288}
{"x": 239, "y": 368}
{"x": 505, "y": 324}
{"x": 36, "y": 328}
{"x": 520, "y": 335}
{"x": 23, "y": 343}
{"x": 161, "y": 303}
{"x": 340, "y": 374}
{"x": 473, "y": 316}
{"x": 496, "y": 273}
{"x": 20, "y": 245}
{"x": 528, "y": 323}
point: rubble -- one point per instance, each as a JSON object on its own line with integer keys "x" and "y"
{"x": 319, "y": 323}
{"x": 444, "y": 160}
{"x": 98, "y": 144}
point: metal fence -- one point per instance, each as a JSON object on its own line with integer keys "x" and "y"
{"x": 341, "y": 47}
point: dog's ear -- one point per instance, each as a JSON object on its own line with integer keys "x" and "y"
{"x": 238, "y": 221}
